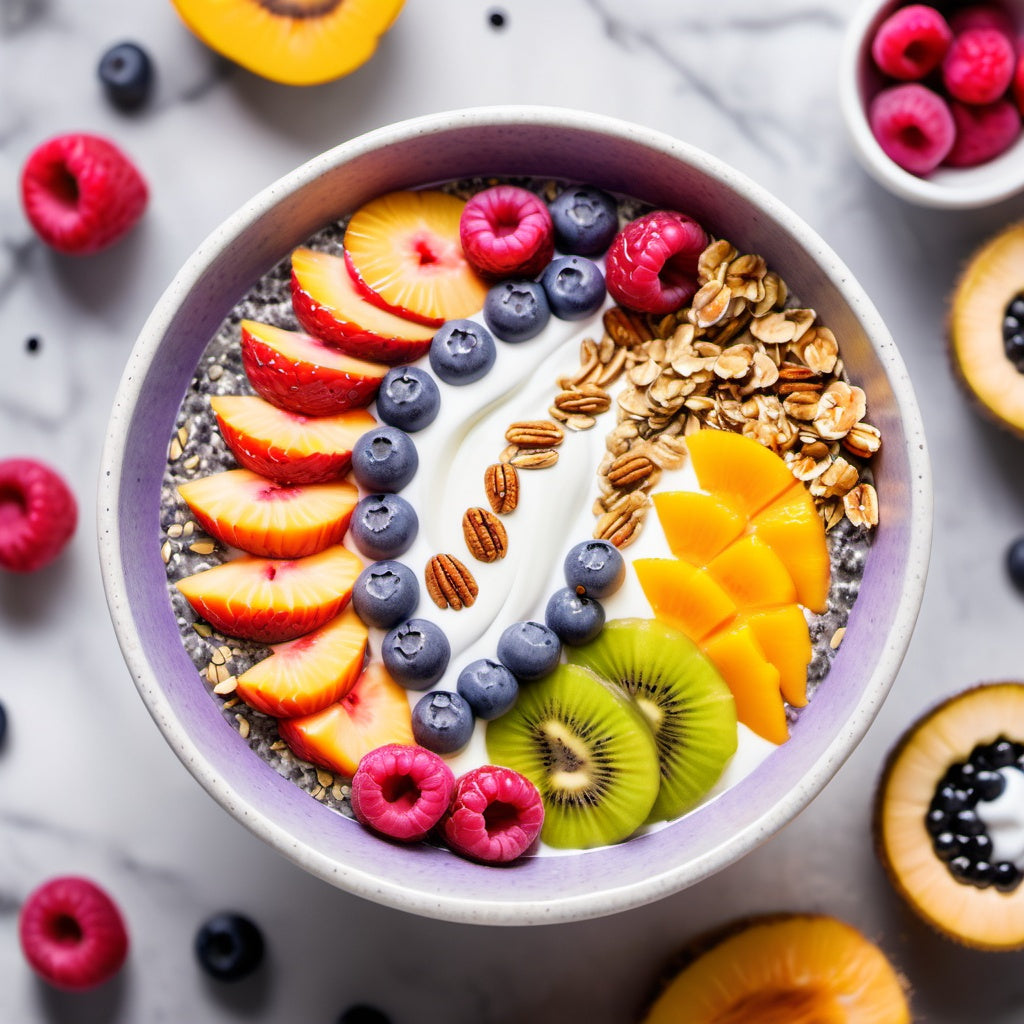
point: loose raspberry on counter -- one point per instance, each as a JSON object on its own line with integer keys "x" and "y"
{"x": 652, "y": 262}
{"x": 72, "y": 933}
{"x": 911, "y": 42}
{"x": 495, "y": 816}
{"x": 81, "y": 193}
{"x": 979, "y": 65}
{"x": 38, "y": 514}
{"x": 913, "y": 125}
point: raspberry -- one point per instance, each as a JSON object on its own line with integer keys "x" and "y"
{"x": 913, "y": 126}
{"x": 495, "y": 815}
{"x": 81, "y": 193}
{"x": 507, "y": 232}
{"x": 652, "y": 262}
{"x": 1018, "y": 84}
{"x": 38, "y": 514}
{"x": 979, "y": 65}
{"x": 982, "y": 133}
{"x": 72, "y": 933}
{"x": 401, "y": 791}
{"x": 982, "y": 16}
{"x": 911, "y": 42}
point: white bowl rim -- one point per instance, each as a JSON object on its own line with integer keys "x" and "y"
{"x": 449, "y": 906}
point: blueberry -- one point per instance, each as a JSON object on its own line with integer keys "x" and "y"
{"x": 416, "y": 653}
{"x": 1013, "y": 347}
{"x": 385, "y": 593}
{"x": 488, "y": 687}
{"x": 461, "y": 352}
{"x": 585, "y": 219}
{"x": 384, "y": 459}
{"x": 408, "y": 398}
{"x": 529, "y": 650}
{"x": 229, "y": 946}
{"x": 1006, "y": 876}
{"x": 594, "y": 568}
{"x": 1016, "y": 308}
{"x": 1011, "y": 325}
{"x": 516, "y": 310}
{"x": 989, "y": 784}
{"x": 384, "y": 525}
{"x": 576, "y": 618}
{"x": 363, "y": 1014}
{"x": 946, "y": 845}
{"x": 127, "y": 75}
{"x": 574, "y": 287}
{"x": 442, "y": 722}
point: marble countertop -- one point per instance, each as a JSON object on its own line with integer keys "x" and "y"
{"x": 88, "y": 785}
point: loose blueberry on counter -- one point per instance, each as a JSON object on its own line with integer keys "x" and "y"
{"x": 442, "y": 722}
{"x": 1015, "y": 563}
{"x": 488, "y": 687}
{"x": 361, "y": 1013}
{"x": 529, "y": 650}
{"x": 385, "y": 593}
{"x": 461, "y": 352}
{"x": 594, "y": 568}
{"x": 408, "y": 398}
{"x": 127, "y": 75}
{"x": 416, "y": 653}
{"x": 586, "y": 220}
{"x": 384, "y": 459}
{"x": 384, "y": 525}
{"x": 229, "y": 946}
{"x": 516, "y": 310}
{"x": 574, "y": 286}
{"x": 575, "y": 618}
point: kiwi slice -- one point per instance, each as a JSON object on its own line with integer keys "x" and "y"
{"x": 587, "y": 749}
{"x": 689, "y": 707}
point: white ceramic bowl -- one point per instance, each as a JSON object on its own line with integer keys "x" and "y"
{"x": 506, "y": 140}
{"x": 949, "y": 188}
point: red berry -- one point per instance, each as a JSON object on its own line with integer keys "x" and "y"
{"x": 72, "y": 933}
{"x": 982, "y": 133}
{"x": 495, "y": 815}
{"x": 1018, "y": 83}
{"x": 507, "y": 232}
{"x": 81, "y": 193}
{"x": 38, "y": 514}
{"x": 983, "y": 16}
{"x": 979, "y": 65}
{"x": 911, "y": 42}
{"x": 913, "y": 126}
{"x": 652, "y": 262}
{"x": 401, "y": 791}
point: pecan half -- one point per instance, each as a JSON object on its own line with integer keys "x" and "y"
{"x": 449, "y": 583}
{"x": 501, "y": 485}
{"x": 485, "y": 535}
{"x": 529, "y": 458}
{"x": 625, "y": 328}
{"x": 535, "y": 434}
{"x": 630, "y": 469}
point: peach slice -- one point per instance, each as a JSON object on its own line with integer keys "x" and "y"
{"x": 373, "y": 713}
{"x": 301, "y": 374}
{"x": 753, "y": 679}
{"x": 268, "y": 599}
{"x": 328, "y": 305}
{"x": 697, "y": 526}
{"x": 683, "y": 596}
{"x": 289, "y": 446}
{"x": 794, "y": 530}
{"x": 404, "y": 253}
{"x": 303, "y": 676}
{"x": 264, "y": 517}
{"x": 752, "y": 574}
{"x": 737, "y": 469}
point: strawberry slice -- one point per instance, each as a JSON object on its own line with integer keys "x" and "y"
{"x": 328, "y": 305}
{"x": 301, "y": 374}
{"x": 269, "y": 600}
{"x": 289, "y": 446}
{"x": 264, "y": 517}
{"x": 404, "y": 252}
{"x": 373, "y": 713}
{"x": 303, "y": 676}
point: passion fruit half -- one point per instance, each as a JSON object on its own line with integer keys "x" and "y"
{"x": 783, "y": 969}
{"x": 949, "y": 817}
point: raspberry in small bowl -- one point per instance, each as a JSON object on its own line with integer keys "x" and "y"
{"x": 928, "y": 96}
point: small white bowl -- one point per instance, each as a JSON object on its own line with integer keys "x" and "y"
{"x": 947, "y": 188}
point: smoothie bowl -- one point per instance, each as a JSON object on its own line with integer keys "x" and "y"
{"x": 711, "y": 472}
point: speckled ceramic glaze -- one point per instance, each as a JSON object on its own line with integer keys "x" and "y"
{"x": 532, "y": 141}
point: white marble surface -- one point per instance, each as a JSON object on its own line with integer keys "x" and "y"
{"x": 86, "y": 782}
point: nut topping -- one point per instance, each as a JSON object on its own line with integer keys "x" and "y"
{"x": 485, "y": 535}
{"x": 449, "y": 583}
{"x": 501, "y": 485}
{"x": 535, "y": 434}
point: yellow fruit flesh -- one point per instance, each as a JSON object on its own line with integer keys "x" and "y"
{"x": 683, "y": 596}
{"x": 697, "y": 526}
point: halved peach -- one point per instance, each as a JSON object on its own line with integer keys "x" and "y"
{"x": 684, "y": 596}
{"x": 303, "y": 676}
{"x": 752, "y": 574}
{"x": 697, "y": 526}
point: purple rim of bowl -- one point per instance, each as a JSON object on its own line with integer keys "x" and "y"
{"x": 505, "y": 140}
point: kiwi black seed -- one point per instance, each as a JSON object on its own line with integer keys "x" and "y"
{"x": 587, "y": 749}
{"x": 688, "y": 705}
